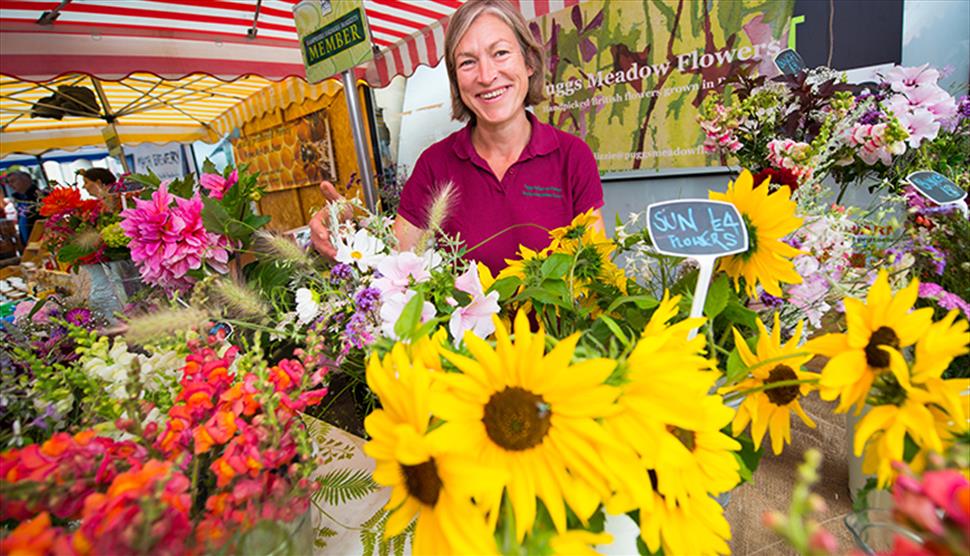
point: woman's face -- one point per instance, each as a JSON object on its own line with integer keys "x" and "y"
{"x": 493, "y": 78}
{"x": 94, "y": 187}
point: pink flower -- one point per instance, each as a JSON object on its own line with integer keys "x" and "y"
{"x": 921, "y": 125}
{"x": 949, "y": 490}
{"x": 217, "y": 185}
{"x": 167, "y": 242}
{"x": 392, "y": 307}
{"x": 398, "y": 270}
{"x": 477, "y": 315}
{"x": 902, "y": 79}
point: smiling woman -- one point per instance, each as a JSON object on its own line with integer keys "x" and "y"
{"x": 514, "y": 178}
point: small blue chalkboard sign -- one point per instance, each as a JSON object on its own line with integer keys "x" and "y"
{"x": 936, "y": 187}
{"x": 789, "y": 62}
{"x": 696, "y": 228}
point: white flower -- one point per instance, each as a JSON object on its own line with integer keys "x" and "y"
{"x": 112, "y": 368}
{"x": 477, "y": 315}
{"x": 400, "y": 270}
{"x": 393, "y": 305}
{"x": 307, "y": 305}
{"x": 161, "y": 370}
{"x": 361, "y": 249}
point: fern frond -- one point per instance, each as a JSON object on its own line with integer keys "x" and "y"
{"x": 341, "y": 485}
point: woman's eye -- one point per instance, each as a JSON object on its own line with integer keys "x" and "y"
{"x": 465, "y": 63}
{"x": 502, "y": 53}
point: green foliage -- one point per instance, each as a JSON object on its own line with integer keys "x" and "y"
{"x": 748, "y": 457}
{"x": 372, "y": 536}
{"x": 340, "y": 485}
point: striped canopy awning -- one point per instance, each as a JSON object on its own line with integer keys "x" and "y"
{"x": 187, "y": 69}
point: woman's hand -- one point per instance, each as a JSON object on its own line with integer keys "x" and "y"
{"x": 319, "y": 230}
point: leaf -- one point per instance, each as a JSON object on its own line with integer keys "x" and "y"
{"x": 736, "y": 369}
{"x": 748, "y": 457}
{"x": 340, "y": 485}
{"x": 717, "y": 296}
{"x": 615, "y": 329}
{"x": 542, "y": 296}
{"x": 182, "y": 187}
{"x": 556, "y": 266}
{"x": 214, "y": 216}
{"x": 268, "y": 276}
{"x": 410, "y": 317}
{"x": 72, "y": 252}
{"x": 149, "y": 180}
{"x": 208, "y": 167}
{"x": 737, "y": 313}
{"x": 644, "y": 302}
{"x": 505, "y": 287}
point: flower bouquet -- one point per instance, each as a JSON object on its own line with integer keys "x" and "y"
{"x": 81, "y": 231}
{"x": 230, "y": 454}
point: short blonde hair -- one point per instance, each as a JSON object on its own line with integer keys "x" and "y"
{"x": 462, "y": 19}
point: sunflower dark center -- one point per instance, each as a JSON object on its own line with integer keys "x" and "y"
{"x": 781, "y": 395}
{"x": 516, "y": 419}
{"x": 686, "y": 437}
{"x": 423, "y": 481}
{"x": 883, "y": 336}
{"x": 752, "y": 238}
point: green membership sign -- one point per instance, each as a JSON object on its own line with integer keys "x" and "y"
{"x": 334, "y": 36}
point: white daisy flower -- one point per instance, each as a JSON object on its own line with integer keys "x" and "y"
{"x": 307, "y": 305}
{"x": 361, "y": 249}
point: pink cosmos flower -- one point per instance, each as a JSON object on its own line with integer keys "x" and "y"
{"x": 167, "y": 242}
{"x": 398, "y": 270}
{"x": 902, "y": 79}
{"x": 921, "y": 124}
{"x": 477, "y": 315}
{"x": 393, "y": 305}
{"x": 217, "y": 185}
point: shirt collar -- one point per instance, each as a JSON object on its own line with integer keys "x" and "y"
{"x": 542, "y": 141}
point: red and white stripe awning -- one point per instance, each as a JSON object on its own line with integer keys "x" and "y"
{"x": 111, "y": 39}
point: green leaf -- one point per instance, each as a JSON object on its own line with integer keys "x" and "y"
{"x": 748, "y": 457}
{"x": 539, "y": 295}
{"x": 736, "y": 369}
{"x": 642, "y": 301}
{"x": 556, "y": 266}
{"x": 737, "y": 313}
{"x": 505, "y": 287}
{"x": 208, "y": 167}
{"x": 183, "y": 187}
{"x": 340, "y": 485}
{"x": 72, "y": 252}
{"x": 214, "y": 216}
{"x": 717, "y": 296}
{"x": 268, "y": 276}
{"x": 149, "y": 180}
{"x": 410, "y": 317}
{"x": 615, "y": 329}
{"x": 558, "y": 287}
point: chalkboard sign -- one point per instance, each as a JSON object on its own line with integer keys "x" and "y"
{"x": 936, "y": 187}
{"x": 696, "y": 227}
{"x": 789, "y": 62}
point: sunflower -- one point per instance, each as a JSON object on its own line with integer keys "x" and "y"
{"x": 425, "y": 479}
{"x": 858, "y": 356}
{"x": 694, "y": 527}
{"x": 770, "y": 410}
{"x": 768, "y": 217}
{"x": 533, "y": 414}
{"x": 667, "y": 415}
{"x": 592, "y": 251}
{"x": 944, "y": 341}
{"x": 526, "y": 266}
{"x": 577, "y": 542}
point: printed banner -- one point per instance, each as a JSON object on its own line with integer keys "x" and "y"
{"x": 629, "y": 77}
{"x": 164, "y": 160}
{"x": 297, "y": 153}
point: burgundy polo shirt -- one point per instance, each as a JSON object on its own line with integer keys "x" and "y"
{"x": 554, "y": 179}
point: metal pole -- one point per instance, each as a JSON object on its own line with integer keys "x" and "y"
{"x": 110, "y": 118}
{"x": 360, "y": 140}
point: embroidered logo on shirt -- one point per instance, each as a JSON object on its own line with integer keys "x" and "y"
{"x": 542, "y": 191}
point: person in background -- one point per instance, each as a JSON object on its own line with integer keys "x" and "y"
{"x": 98, "y": 182}
{"x": 25, "y": 196}
{"x": 510, "y": 170}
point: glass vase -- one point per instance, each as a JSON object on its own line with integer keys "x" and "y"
{"x": 873, "y": 531}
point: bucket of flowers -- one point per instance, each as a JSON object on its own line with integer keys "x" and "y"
{"x": 226, "y": 468}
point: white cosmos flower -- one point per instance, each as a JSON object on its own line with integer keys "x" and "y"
{"x": 307, "y": 305}
{"x": 361, "y": 249}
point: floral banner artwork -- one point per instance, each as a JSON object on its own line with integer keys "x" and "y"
{"x": 629, "y": 77}
{"x": 297, "y": 153}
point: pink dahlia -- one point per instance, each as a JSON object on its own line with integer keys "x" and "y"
{"x": 217, "y": 185}
{"x": 167, "y": 242}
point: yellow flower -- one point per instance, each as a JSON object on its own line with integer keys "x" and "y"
{"x": 770, "y": 410}
{"x": 516, "y": 408}
{"x": 577, "y": 542}
{"x": 696, "y": 527}
{"x": 882, "y": 431}
{"x": 769, "y": 217}
{"x": 944, "y": 341}
{"x": 526, "y": 265}
{"x": 426, "y": 480}
{"x": 859, "y": 355}
{"x": 592, "y": 250}
{"x": 667, "y": 415}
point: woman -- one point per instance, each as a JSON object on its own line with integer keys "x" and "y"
{"x": 515, "y": 177}
{"x": 97, "y": 182}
